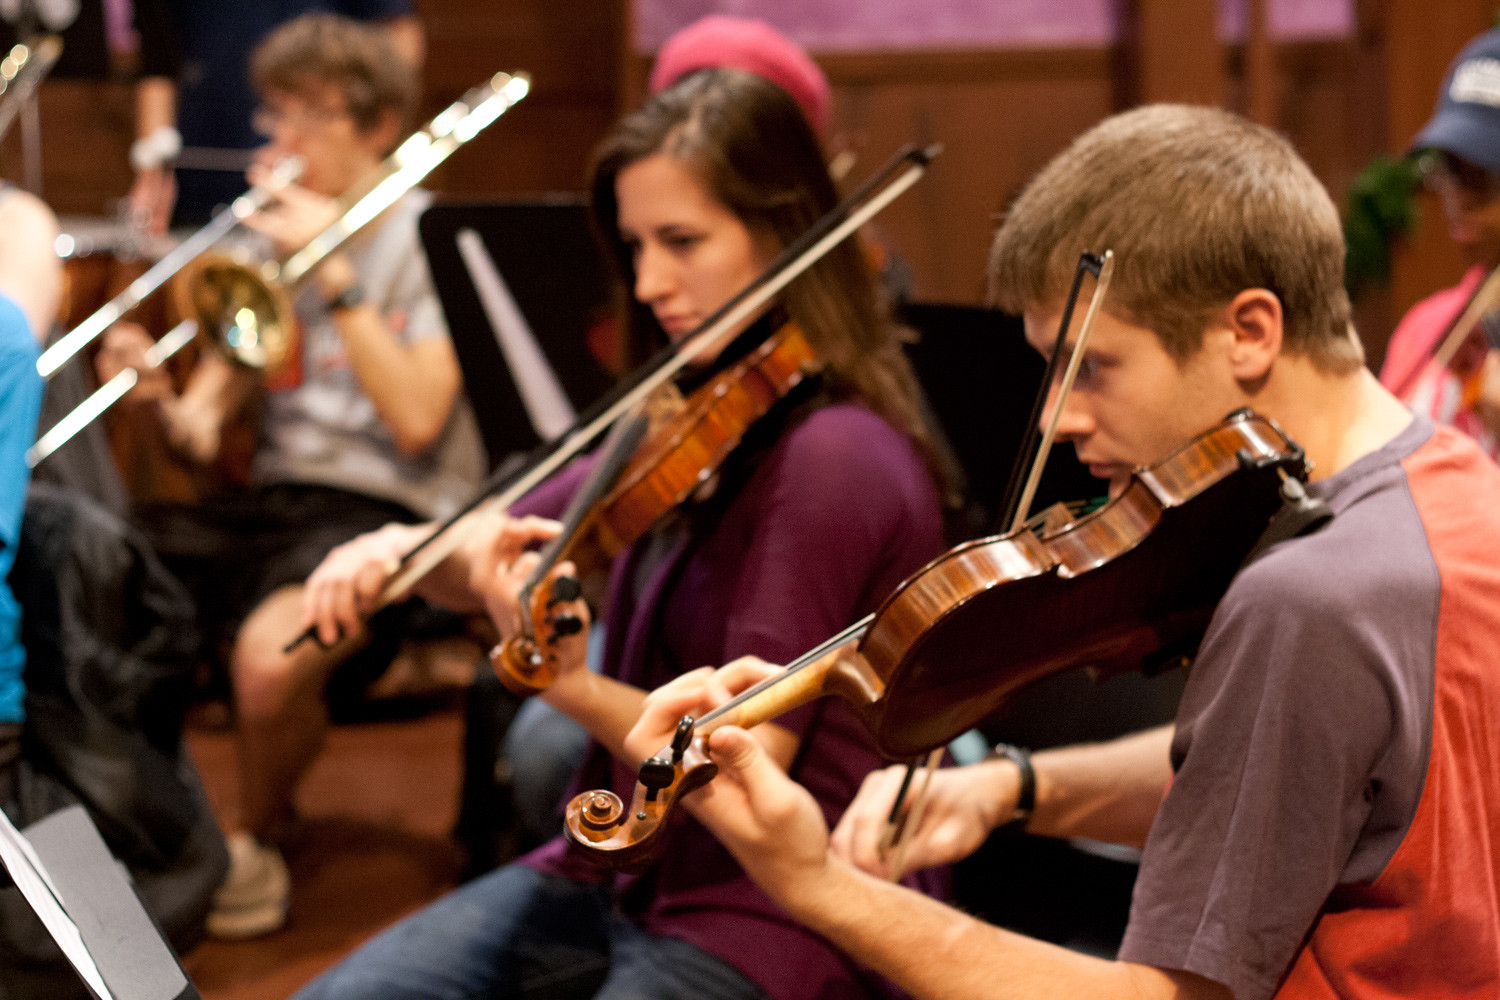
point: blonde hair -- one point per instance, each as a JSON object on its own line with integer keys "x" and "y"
{"x": 1198, "y": 204}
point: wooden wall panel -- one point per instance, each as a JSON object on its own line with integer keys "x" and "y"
{"x": 999, "y": 114}
{"x": 86, "y": 129}
{"x": 573, "y": 54}
{"x": 999, "y": 118}
{"x": 1175, "y": 53}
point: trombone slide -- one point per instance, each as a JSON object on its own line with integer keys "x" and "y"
{"x": 109, "y": 393}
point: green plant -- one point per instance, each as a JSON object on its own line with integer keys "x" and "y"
{"x": 1381, "y": 206}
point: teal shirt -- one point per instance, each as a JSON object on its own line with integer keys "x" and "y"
{"x": 20, "y": 402}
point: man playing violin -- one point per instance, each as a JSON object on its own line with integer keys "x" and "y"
{"x": 1320, "y": 820}
{"x": 369, "y": 425}
{"x": 1460, "y": 158}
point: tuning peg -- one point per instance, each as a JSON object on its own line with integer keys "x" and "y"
{"x": 563, "y": 626}
{"x": 656, "y": 773}
{"x": 565, "y": 588}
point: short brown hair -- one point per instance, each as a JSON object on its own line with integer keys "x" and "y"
{"x": 1198, "y": 204}
{"x": 327, "y": 48}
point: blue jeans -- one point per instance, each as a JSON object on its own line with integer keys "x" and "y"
{"x": 544, "y": 749}
{"x": 519, "y": 933}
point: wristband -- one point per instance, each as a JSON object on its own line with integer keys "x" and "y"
{"x": 1026, "y": 796}
{"x": 156, "y": 149}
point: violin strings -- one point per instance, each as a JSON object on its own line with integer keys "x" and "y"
{"x": 616, "y": 451}
{"x": 811, "y": 656}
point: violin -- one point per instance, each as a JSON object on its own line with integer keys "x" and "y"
{"x": 1127, "y": 586}
{"x": 684, "y": 451}
{"x": 515, "y": 479}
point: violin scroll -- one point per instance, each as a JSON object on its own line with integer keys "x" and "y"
{"x": 598, "y": 821}
{"x": 528, "y": 663}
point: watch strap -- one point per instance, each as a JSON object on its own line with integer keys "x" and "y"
{"x": 1026, "y": 795}
{"x": 347, "y": 299}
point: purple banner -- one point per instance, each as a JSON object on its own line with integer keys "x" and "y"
{"x": 830, "y": 25}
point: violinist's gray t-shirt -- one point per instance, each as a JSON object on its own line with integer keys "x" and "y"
{"x": 1289, "y": 857}
{"x": 325, "y": 430}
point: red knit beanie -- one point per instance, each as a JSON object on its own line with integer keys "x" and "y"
{"x": 748, "y": 44}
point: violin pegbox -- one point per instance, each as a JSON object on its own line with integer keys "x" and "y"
{"x": 528, "y": 664}
{"x": 599, "y": 822}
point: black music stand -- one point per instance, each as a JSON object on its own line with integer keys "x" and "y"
{"x": 131, "y": 957}
{"x": 980, "y": 376}
{"x": 550, "y": 269}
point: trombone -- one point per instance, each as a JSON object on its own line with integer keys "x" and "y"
{"x": 247, "y": 204}
{"x": 21, "y": 70}
{"x": 242, "y": 306}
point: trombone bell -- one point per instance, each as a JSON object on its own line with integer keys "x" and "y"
{"x": 245, "y": 315}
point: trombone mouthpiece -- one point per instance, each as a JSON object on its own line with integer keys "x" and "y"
{"x": 287, "y": 170}
{"x": 927, "y": 153}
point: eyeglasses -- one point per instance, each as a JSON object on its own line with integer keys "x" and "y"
{"x": 299, "y": 118}
{"x": 1442, "y": 171}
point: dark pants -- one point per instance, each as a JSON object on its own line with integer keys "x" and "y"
{"x": 232, "y": 552}
{"x": 518, "y": 933}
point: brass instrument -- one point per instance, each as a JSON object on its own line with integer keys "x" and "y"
{"x": 21, "y": 69}
{"x": 218, "y": 227}
{"x": 242, "y": 306}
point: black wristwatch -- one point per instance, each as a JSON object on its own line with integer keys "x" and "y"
{"x": 1026, "y": 795}
{"x": 347, "y": 299}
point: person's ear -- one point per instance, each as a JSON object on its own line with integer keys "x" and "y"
{"x": 1254, "y": 320}
{"x": 386, "y": 132}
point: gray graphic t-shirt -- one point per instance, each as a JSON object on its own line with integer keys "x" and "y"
{"x": 325, "y": 430}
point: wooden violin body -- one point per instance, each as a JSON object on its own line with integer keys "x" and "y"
{"x": 1129, "y": 585}
{"x": 690, "y": 447}
{"x": 686, "y": 448}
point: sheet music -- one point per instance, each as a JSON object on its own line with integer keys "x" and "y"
{"x": 546, "y": 403}
{"x": 36, "y": 885}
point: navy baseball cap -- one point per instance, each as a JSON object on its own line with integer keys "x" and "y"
{"x": 1466, "y": 121}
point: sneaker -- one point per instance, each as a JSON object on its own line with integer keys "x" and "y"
{"x": 254, "y": 897}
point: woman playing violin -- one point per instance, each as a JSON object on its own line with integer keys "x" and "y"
{"x": 1320, "y": 821}
{"x": 826, "y": 504}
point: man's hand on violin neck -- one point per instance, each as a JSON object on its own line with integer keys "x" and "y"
{"x": 772, "y": 825}
{"x": 695, "y": 693}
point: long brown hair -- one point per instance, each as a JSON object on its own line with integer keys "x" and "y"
{"x": 749, "y": 144}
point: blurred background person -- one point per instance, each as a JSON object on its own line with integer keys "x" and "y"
{"x": 368, "y": 425}
{"x": 194, "y": 101}
{"x": 1460, "y": 157}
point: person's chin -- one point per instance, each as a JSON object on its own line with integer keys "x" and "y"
{"x": 1114, "y": 474}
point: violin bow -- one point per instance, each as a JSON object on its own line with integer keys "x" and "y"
{"x": 1019, "y": 494}
{"x": 1483, "y": 302}
{"x": 902, "y": 171}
